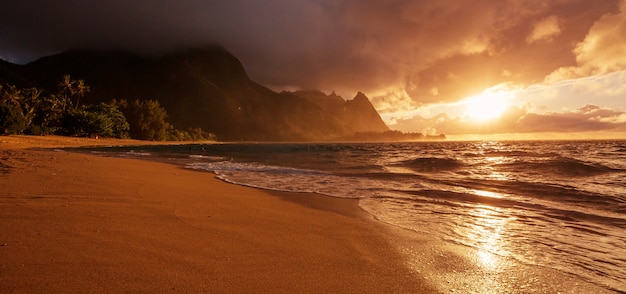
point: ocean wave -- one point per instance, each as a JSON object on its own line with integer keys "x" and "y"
{"x": 136, "y": 153}
{"x": 516, "y": 153}
{"x": 547, "y": 210}
{"x": 543, "y": 191}
{"x": 555, "y": 204}
{"x": 207, "y": 157}
{"x": 222, "y": 166}
{"x": 498, "y": 152}
{"x": 432, "y": 164}
{"x": 560, "y": 166}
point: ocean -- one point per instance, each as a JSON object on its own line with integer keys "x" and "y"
{"x": 555, "y": 204}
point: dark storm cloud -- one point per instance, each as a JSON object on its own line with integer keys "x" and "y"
{"x": 281, "y": 42}
{"x": 32, "y": 28}
{"x": 431, "y": 51}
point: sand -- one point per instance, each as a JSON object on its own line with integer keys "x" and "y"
{"x": 79, "y": 223}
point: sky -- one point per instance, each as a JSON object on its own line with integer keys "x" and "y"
{"x": 552, "y": 67}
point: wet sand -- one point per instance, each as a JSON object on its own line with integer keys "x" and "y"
{"x": 77, "y": 223}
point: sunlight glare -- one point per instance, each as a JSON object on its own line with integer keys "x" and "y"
{"x": 488, "y": 194}
{"x": 487, "y": 232}
{"x": 487, "y": 259}
{"x": 487, "y": 106}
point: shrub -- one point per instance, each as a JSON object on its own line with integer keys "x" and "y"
{"x": 147, "y": 119}
{"x": 95, "y": 120}
{"x": 12, "y": 120}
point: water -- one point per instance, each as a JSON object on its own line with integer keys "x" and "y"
{"x": 557, "y": 204}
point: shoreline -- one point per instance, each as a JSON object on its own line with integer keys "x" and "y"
{"x": 81, "y": 223}
{"x": 173, "y": 228}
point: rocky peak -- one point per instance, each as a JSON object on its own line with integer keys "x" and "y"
{"x": 206, "y": 88}
{"x": 360, "y": 97}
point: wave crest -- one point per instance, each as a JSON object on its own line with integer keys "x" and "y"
{"x": 432, "y": 164}
{"x": 562, "y": 166}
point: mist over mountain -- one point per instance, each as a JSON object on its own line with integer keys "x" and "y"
{"x": 207, "y": 88}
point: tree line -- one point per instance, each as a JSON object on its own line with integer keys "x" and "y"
{"x": 33, "y": 112}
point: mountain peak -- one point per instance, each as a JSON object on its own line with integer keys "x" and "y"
{"x": 360, "y": 97}
{"x": 203, "y": 87}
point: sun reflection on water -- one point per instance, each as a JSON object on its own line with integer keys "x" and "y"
{"x": 487, "y": 260}
{"x": 487, "y": 194}
{"x": 486, "y": 232}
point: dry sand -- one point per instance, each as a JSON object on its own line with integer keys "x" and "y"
{"x": 77, "y": 223}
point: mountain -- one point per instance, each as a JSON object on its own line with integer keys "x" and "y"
{"x": 207, "y": 88}
{"x": 357, "y": 113}
{"x": 11, "y": 73}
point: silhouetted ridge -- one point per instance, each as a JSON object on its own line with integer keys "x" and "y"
{"x": 358, "y": 114}
{"x": 207, "y": 88}
{"x": 360, "y": 97}
{"x": 214, "y": 63}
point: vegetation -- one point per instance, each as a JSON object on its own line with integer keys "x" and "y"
{"x": 12, "y": 120}
{"x": 392, "y": 135}
{"x": 29, "y": 111}
{"x": 148, "y": 120}
{"x": 94, "y": 121}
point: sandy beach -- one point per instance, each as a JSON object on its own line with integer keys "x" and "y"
{"x": 79, "y": 223}
{"x": 76, "y": 223}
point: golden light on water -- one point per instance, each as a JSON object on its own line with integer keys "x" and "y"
{"x": 487, "y": 259}
{"x": 489, "y": 194}
{"x": 489, "y": 222}
{"x": 486, "y": 233}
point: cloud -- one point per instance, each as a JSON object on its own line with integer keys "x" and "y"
{"x": 589, "y": 118}
{"x": 585, "y": 119}
{"x": 605, "y": 45}
{"x": 404, "y": 54}
{"x": 545, "y": 30}
{"x": 602, "y": 51}
{"x": 509, "y": 41}
{"x": 605, "y": 90}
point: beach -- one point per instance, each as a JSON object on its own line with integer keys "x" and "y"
{"x": 76, "y": 223}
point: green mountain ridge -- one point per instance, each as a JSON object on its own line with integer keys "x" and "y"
{"x": 207, "y": 88}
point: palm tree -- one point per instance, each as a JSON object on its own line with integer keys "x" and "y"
{"x": 80, "y": 89}
{"x": 65, "y": 87}
{"x": 69, "y": 89}
{"x": 12, "y": 95}
{"x": 31, "y": 102}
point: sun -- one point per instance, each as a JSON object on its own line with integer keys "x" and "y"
{"x": 486, "y": 106}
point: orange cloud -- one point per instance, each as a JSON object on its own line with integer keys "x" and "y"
{"x": 602, "y": 51}
{"x": 589, "y": 118}
{"x": 511, "y": 41}
{"x": 545, "y": 30}
{"x": 397, "y": 51}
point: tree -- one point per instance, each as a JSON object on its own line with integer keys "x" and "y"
{"x": 48, "y": 115}
{"x": 11, "y": 95}
{"x": 80, "y": 90}
{"x": 65, "y": 89}
{"x": 117, "y": 126}
{"x": 30, "y": 103}
{"x": 191, "y": 134}
{"x": 69, "y": 89}
{"x": 11, "y": 119}
{"x": 30, "y": 111}
{"x": 96, "y": 120}
{"x": 40, "y": 113}
{"x": 146, "y": 118}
